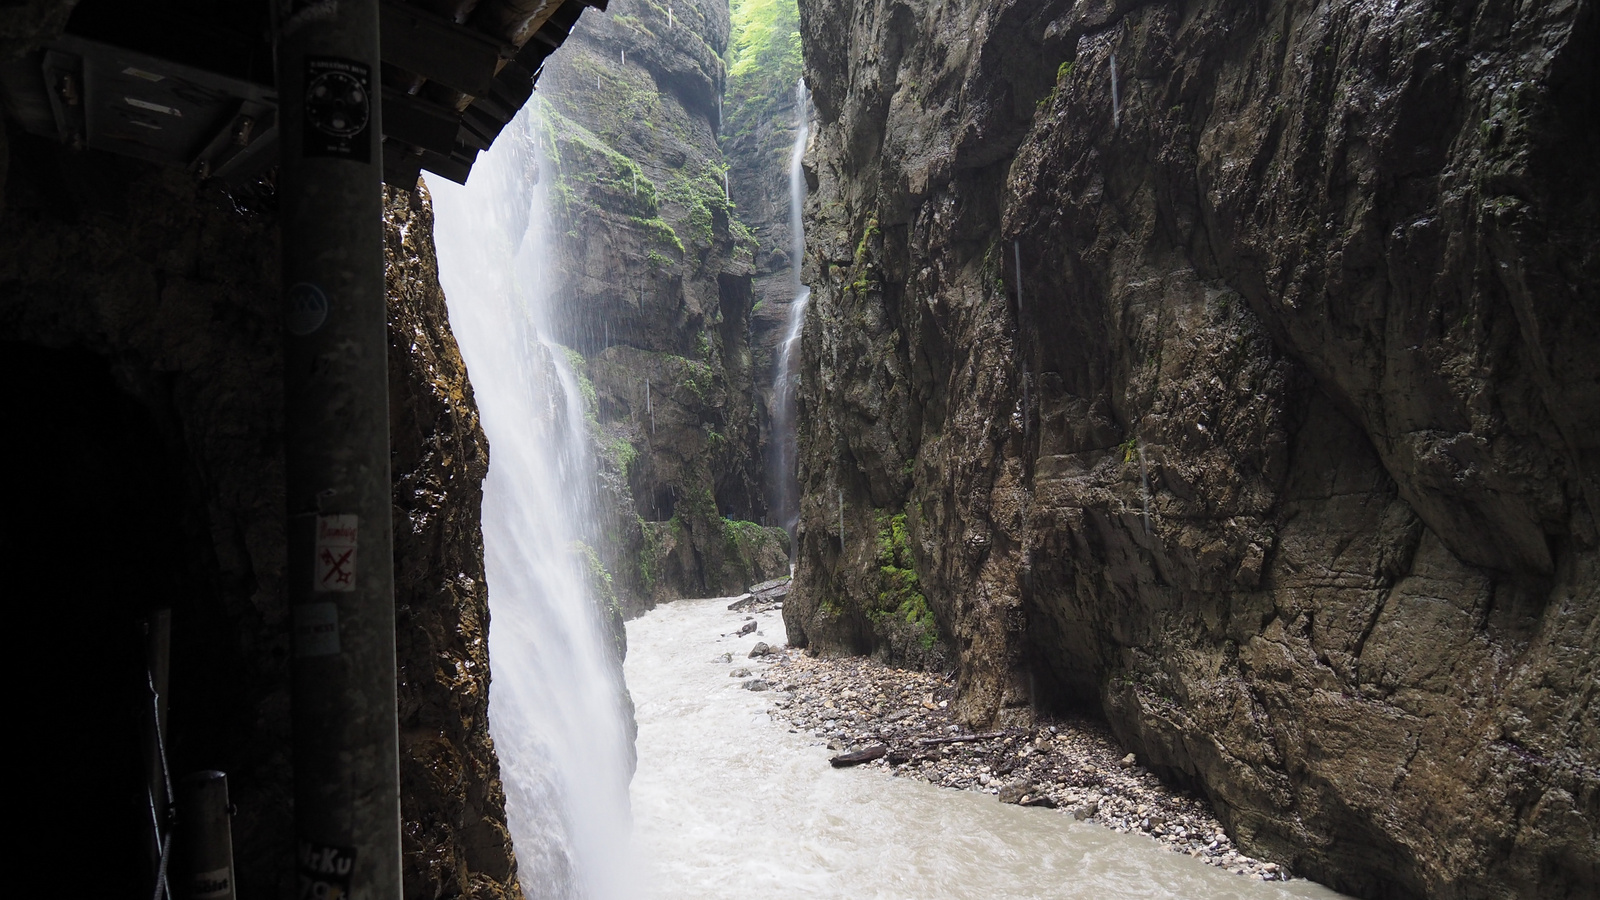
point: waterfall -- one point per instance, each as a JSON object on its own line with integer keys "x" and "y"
{"x": 1144, "y": 482}
{"x": 1116, "y": 94}
{"x": 782, "y": 475}
{"x": 556, "y": 702}
{"x": 1016, "y": 249}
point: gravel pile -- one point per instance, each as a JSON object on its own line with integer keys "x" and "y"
{"x": 875, "y": 715}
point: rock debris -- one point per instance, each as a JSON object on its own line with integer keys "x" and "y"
{"x": 875, "y": 715}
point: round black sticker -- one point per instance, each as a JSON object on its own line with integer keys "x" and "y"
{"x": 305, "y": 309}
{"x": 337, "y": 104}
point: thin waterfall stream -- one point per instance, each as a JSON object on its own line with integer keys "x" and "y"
{"x": 556, "y": 706}
{"x": 782, "y": 476}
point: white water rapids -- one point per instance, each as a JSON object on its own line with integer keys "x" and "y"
{"x": 728, "y": 804}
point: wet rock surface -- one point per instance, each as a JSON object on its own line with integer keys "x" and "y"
{"x": 452, "y": 801}
{"x": 1231, "y": 368}
{"x": 655, "y": 303}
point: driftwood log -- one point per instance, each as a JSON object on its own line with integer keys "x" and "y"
{"x": 844, "y": 760}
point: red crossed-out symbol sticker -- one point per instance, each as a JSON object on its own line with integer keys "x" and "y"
{"x": 337, "y": 571}
{"x": 336, "y": 554}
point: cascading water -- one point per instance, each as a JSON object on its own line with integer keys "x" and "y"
{"x": 782, "y": 475}
{"x": 1116, "y": 95}
{"x": 556, "y": 707}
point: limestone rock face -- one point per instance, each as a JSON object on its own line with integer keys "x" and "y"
{"x": 452, "y": 802}
{"x": 172, "y": 287}
{"x": 655, "y": 297}
{"x": 1232, "y": 367}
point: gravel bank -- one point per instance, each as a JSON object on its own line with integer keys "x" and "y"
{"x": 1070, "y": 766}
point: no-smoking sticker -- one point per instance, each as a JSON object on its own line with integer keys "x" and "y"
{"x": 335, "y": 567}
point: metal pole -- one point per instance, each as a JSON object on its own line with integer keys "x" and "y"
{"x": 205, "y": 838}
{"x": 341, "y": 574}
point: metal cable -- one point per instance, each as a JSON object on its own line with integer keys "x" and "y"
{"x": 161, "y": 870}
{"x": 164, "y": 834}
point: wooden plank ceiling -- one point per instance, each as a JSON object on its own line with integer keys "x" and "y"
{"x": 190, "y": 82}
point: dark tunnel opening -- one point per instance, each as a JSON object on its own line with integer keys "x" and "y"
{"x": 95, "y": 542}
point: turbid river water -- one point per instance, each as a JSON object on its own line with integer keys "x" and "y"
{"x": 728, "y": 803}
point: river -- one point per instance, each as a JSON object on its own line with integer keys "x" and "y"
{"x": 728, "y": 803}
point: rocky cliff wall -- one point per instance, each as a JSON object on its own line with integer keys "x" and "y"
{"x": 757, "y": 140}
{"x": 161, "y": 294}
{"x": 1231, "y": 368}
{"x": 656, "y": 298}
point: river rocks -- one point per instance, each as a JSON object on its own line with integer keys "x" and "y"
{"x": 1070, "y": 765}
{"x": 1014, "y": 791}
{"x": 1232, "y": 368}
{"x": 746, "y": 628}
{"x": 756, "y": 685}
{"x": 739, "y": 673}
{"x": 759, "y": 650}
{"x": 763, "y": 597}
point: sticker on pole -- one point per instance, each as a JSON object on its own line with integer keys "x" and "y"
{"x": 338, "y": 109}
{"x": 324, "y": 871}
{"x": 305, "y": 308}
{"x": 316, "y": 629}
{"x": 212, "y": 885}
{"x": 335, "y": 567}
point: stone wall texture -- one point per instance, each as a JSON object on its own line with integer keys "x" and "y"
{"x": 1233, "y": 367}
{"x": 655, "y": 269}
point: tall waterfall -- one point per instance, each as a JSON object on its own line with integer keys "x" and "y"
{"x": 782, "y": 476}
{"x": 555, "y": 704}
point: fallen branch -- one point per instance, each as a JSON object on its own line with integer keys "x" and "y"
{"x": 876, "y": 751}
{"x": 963, "y": 739}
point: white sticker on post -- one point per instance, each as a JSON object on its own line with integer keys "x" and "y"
{"x": 335, "y": 568}
{"x": 211, "y": 885}
{"x": 316, "y": 629}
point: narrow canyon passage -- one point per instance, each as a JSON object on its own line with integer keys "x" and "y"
{"x": 728, "y": 803}
{"x": 1113, "y": 392}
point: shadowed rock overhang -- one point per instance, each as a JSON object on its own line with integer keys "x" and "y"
{"x": 192, "y": 84}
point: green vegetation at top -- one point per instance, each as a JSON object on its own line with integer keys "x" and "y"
{"x": 763, "y": 62}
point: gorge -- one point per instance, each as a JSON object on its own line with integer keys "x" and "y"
{"x": 1322, "y": 278}
{"x": 1222, "y": 372}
